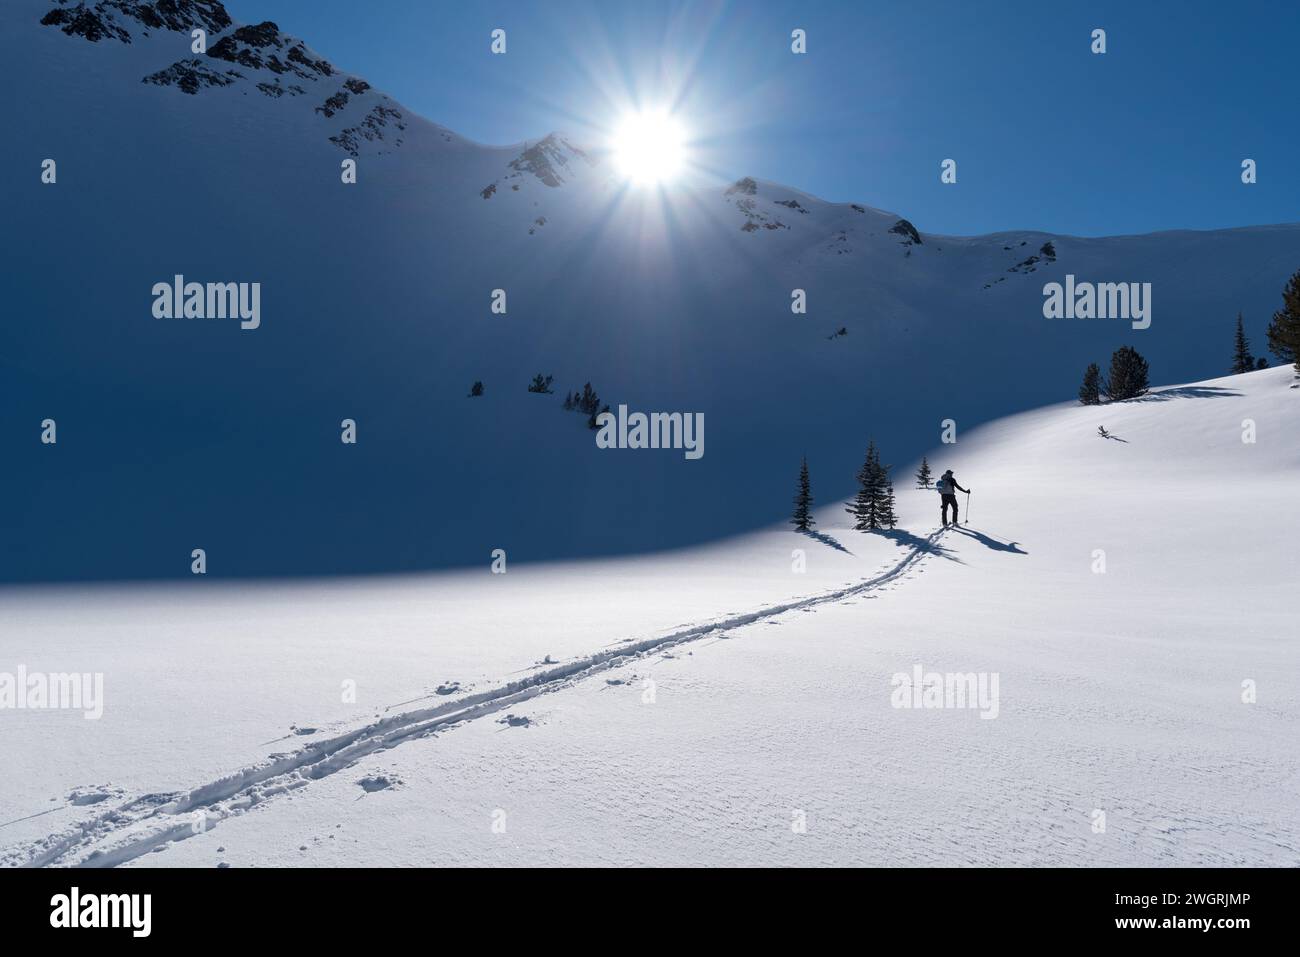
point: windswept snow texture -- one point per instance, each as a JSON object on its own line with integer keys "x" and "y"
{"x": 226, "y": 166}
{"x": 694, "y": 706}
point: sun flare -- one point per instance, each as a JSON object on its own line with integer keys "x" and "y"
{"x": 649, "y": 148}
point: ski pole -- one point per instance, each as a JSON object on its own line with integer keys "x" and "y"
{"x": 967, "y": 522}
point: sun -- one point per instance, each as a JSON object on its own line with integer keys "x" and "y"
{"x": 649, "y": 148}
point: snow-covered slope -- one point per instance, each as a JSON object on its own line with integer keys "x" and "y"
{"x": 376, "y": 307}
{"x": 686, "y": 707}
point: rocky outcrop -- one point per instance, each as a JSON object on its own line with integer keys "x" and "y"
{"x": 259, "y": 55}
{"x": 334, "y": 103}
{"x": 745, "y": 187}
{"x": 755, "y": 218}
{"x": 277, "y": 90}
{"x": 549, "y": 159}
{"x": 190, "y": 76}
{"x": 1046, "y": 255}
{"x": 905, "y": 229}
{"x": 259, "y": 47}
{"x": 80, "y": 21}
{"x": 95, "y": 20}
{"x": 371, "y": 130}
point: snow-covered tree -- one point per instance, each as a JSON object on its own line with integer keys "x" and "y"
{"x": 803, "y": 519}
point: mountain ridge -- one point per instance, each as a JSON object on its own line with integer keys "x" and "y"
{"x": 377, "y": 306}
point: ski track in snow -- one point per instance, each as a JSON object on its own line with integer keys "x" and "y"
{"x": 149, "y": 822}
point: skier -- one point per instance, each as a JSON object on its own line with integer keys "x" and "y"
{"x": 947, "y": 487}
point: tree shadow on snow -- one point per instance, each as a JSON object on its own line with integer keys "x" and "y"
{"x": 1186, "y": 392}
{"x": 1012, "y": 547}
{"x": 827, "y": 540}
{"x": 929, "y": 546}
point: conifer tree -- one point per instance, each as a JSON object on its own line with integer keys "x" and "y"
{"x": 861, "y": 506}
{"x": 1242, "y": 360}
{"x": 1284, "y": 329}
{"x": 873, "y": 506}
{"x": 802, "y": 519}
{"x": 887, "y": 515}
{"x": 1128, "y": 377}
{"x": 923, "y": 474}
{"x": 1090, "y": 391}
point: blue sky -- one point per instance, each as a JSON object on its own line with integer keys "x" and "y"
{"x": 1045, "y": 133}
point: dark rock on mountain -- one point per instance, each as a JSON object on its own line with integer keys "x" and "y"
{"x": 275, "y": 89}
{"x": 181, "y": 15}
{"x": 264, "y": 34}
{"x": 250, "y": 45}
{"x": 1046, "y": 255}
{"x": 298, "y": 56}
{"x": 548, "y": 159}
{"x": 259, "y": 46}
{"x": 370, "y": 129}
{"x": 334, "y": 103}
{"x": 114, "y": 18}
{"x": 81, "y": 22}
{"x": 905, "y": 229}
{"x": 192, "y": 75}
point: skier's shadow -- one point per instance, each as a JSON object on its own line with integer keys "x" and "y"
{"x": 1012, "y": 547}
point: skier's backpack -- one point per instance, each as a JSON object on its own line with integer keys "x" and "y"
{"x": 941, "y": 486}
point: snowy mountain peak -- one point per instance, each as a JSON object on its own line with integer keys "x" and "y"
{"x": 673, "y": 298}
{"x": 250, "y": 58}
{"x": 553, "y": 159}
{"x": 120, "y": 19}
